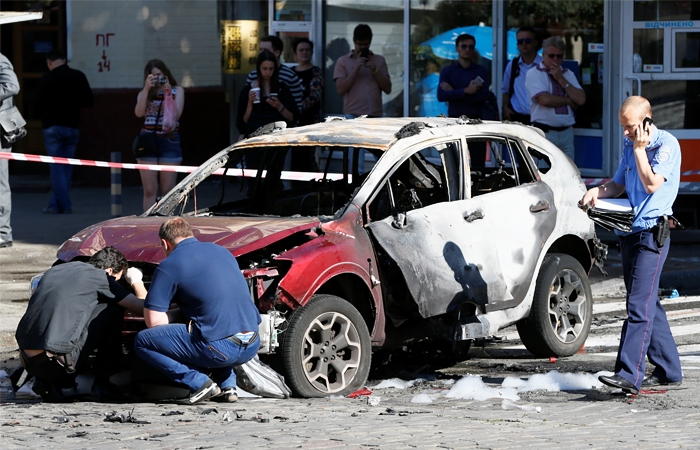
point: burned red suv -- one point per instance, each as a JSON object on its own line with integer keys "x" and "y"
{"x": 368, "y": 233}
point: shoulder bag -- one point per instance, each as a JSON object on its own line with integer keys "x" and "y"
{"x": 12, "y": 124}
{"x": 146, "y": 144}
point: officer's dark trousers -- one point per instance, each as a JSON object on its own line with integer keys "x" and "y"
{"x": 646, "y": 331}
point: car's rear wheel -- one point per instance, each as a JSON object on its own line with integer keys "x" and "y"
{"x": 327, "y": 349}
{"x": 562, "y": 309}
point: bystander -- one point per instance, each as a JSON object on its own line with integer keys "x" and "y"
{"x": 9, "y": 87}
{"x": 516, "y": 101}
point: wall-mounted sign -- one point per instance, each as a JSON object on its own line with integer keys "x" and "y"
{"x": 595, "y": 48}
{"x": 240, "y": 45}
{"x": 653, "y": 68}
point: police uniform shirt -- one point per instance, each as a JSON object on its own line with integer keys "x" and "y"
{"x": 664, "y": 154}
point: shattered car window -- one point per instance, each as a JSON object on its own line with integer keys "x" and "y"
{"x": 281, "y": 181}
{"x": 429, "y": 176}
{"x": 496, "y": 164}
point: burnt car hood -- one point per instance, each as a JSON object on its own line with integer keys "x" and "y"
{"x": 137, "y": 237}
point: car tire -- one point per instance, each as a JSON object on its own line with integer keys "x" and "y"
{"x": 562, "y": 309}
{"x": 326, "y": 348}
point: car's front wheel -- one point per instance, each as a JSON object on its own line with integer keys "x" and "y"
{"x": 562, "y": 309}
{"x": 326, "y": 348}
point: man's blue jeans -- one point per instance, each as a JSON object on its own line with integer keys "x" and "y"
{"x": 182, "y": 357}
{"x": 61, "y": 141}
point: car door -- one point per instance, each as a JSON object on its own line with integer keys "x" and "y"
{"x": 520, "y": 213}
{"x": 439, "y": 240}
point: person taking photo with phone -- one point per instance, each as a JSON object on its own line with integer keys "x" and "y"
{"x": 155, "y": 102}
{"x": 649, "y": 172}
{"x": 361, "y": 76}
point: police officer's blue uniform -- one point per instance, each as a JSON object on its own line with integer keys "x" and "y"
{"x": 646, "y": 330}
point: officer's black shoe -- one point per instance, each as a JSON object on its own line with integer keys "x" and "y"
{"x": 652, "y": 381}
{"x": 617, "y": 381}
{"x": 49, "y": 392}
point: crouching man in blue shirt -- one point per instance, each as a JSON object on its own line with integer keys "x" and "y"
{"x": 649, "y": 172}
{"x": 221, "y": 320}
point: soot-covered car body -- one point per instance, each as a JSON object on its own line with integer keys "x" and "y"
{"x": 393, "y": 230}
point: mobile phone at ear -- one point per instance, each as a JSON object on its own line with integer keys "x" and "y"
{"x": 647, "y": 121}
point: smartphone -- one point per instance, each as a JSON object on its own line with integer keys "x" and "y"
{"x": 647, "y": 121}
{"x": 364, "y": 52}
{"x": 478, "y": 80}
{"x": 162, "y": 80}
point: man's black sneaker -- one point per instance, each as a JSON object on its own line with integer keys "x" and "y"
{"x": 209, "y": 390}
{"x": 652, "y": 381}
{"x": 228, "y": 395}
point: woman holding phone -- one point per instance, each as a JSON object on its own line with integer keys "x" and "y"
{"x": 158, "y": 84}
{"x": 266, "y": 100}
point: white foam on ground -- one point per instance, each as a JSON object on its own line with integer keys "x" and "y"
{"x": 422, "y": 398}
{"x": 396, "y": 383}
{"x": 473, "y": 387}
{"x": 554, "y": 381}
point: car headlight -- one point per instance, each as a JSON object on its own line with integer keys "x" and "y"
{"x": 34, "y": 283}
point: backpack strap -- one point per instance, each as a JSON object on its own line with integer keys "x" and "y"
{"x": 514, "y": 72}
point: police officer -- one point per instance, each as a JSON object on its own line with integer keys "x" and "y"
{"x": 649, "y": 172}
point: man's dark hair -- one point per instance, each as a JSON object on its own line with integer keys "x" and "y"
{"x": 277, "y": 44}
{"x": 303, "y": 40}
{"x": 175, "y": 228}
{"x": 362, "y": 33}
{"x": 530, "y": 30}
{"x": 464, "y": 37}
{"x": 55, "y": 55}
{"x": 109, "y": 258}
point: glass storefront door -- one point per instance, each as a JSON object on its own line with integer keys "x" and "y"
{"x": 662, "y": 63}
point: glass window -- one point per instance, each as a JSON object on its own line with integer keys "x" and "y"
{"x": 385, "y": 18}
{"x": 434, "y": 27}
{"x": 648, "y": 48}
{"x": 687, "y": 50}
{"x": 675, "y": 103}
{"x": 429, "y": 176}
{"x": 497, "y": 164}
{"x": 666, "y": 10}
{"x": 579, "y": 23}
{"x": 293, "y": 10}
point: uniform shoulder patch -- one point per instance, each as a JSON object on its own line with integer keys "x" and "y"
{"x": 664, "y": 154}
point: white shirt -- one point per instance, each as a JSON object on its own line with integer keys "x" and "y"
{"x": 539, "y": 82}
{"x": 520, "y": 100}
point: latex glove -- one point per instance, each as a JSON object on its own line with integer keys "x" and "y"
{"x": 133, "y": 275}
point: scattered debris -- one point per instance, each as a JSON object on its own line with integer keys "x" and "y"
{"x": 173, "y": 413}
{"x": 259, "y": 418}
{"x": 373, "y": 400}
{"x": 552, "y": 359}
{"x": 359, "y": 393}
{"x": 11, "y": 424}
{"x": 281, "y": 418}
{"x": 78, "y": 434}
{"x": 205, "y": 411}
{"x": 507, "y": 404}
{"x": 121, "y": 418}
{"x": 61, "y": 419}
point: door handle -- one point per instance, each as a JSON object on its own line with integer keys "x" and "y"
{"x": 542, "y": 205}
{"x": 476, "y": 215}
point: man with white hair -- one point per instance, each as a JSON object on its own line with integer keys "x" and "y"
{"x": 555, "y": 94}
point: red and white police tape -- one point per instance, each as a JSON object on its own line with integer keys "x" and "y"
{"x": 231, "y": 172}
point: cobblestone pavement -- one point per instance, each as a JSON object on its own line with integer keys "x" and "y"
{"x": 581, "y": 419}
